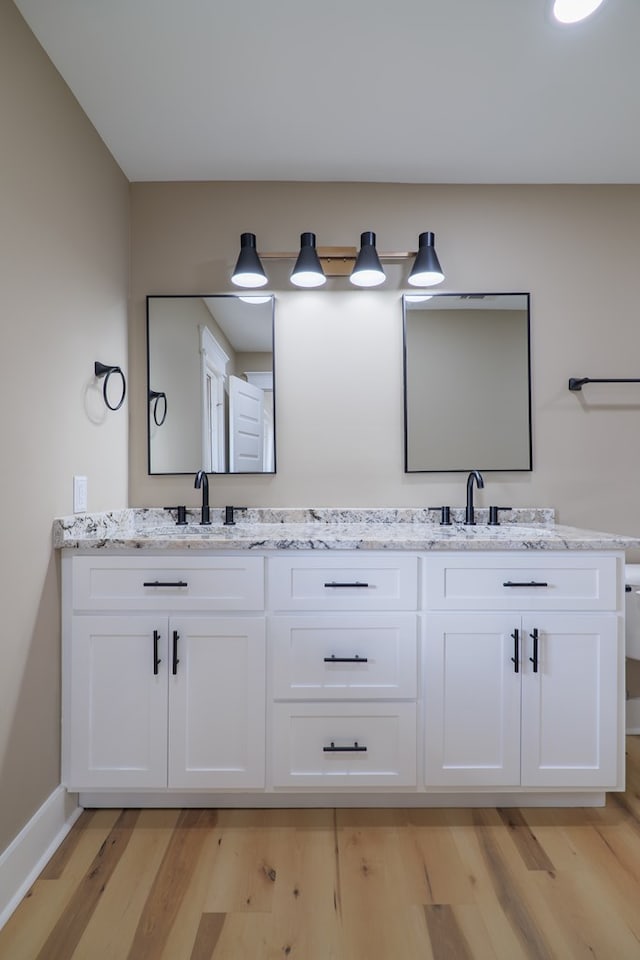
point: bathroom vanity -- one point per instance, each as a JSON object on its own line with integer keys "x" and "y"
{"x": 341, "y": 657}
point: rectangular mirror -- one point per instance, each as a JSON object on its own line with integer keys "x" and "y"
{"x": 210, "y": 380}
{"x": 467, "y": 384}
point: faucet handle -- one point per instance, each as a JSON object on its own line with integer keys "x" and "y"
{"x": 493, "y": 515}
{"x": 445, "y": 515}
{"x": 182, "y": 515}
{"x": 228, "y": 515}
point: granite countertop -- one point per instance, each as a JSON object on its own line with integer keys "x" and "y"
{"x": 328, "y": 528}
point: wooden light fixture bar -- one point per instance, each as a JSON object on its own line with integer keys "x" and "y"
{"x": 336, "y": 261}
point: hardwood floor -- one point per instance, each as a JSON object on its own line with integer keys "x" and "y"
{"x": 341, "y": 885}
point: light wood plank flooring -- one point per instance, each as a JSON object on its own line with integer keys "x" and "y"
{"x": 512, "y": 884}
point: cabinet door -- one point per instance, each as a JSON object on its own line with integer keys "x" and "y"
{"x": 472, "y": 700}
{"x": 216, "y": 702}
{"x": 115, "y": 703}
{"x": 570, "y": 713}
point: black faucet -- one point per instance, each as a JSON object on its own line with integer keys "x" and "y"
{"x": 469, "y": 516}
{"x": 202, "y": 480}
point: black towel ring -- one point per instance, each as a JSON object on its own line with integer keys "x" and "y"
{"x": 158, "y": 395}
{"x": 102, "y": 370}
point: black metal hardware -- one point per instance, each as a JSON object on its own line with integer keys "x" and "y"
{"x": 175, "y": 660}
{"x": 157, "y": 396}
{"x": 627, "y": 588}
{"x": 534, "y": 658}
{"x": 577, "y": 383}
{"x": 356, "y": 748}
{"x": 515, "y": 659}
{"x": 165, "y": 583}
{"x": 182, "y": 515}
{"x": 527, "y": 583}
{"x": 105, "y": 370}
{"x": 356, "y": 659}
{"x": 202, "y": 480}
{"x": 228, "y": 515}
{"x": 356, "y": 584}
{"x": 469, "y": 514}
{"x": 493, "y": 515}
{"x": 445, "y": 515}
{"x": 156, "y": 659}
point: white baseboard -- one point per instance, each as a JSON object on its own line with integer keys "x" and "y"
{"x": 34, "y": 846}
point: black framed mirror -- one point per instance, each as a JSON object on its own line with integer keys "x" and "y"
{"x": 467, "y": 382}
{"x": 211, "y": 384}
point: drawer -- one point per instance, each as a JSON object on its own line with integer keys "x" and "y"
{"x": 353, "y": 745}
{"x": 507, "y": 582}
{"x": 175, "y": 583}
{"x": 344, "y": 656}
{"x": 339, "y": 582}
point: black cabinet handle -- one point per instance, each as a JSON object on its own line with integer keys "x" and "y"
{"x": 175, "y": 661}
{"x": 534, "y": 658}
{"x": 356, "y": 748}
{"x": 356, "y": 584}
{"x": 515, "y": 659}
{"x": 528, "y": 583}
{"x": 156, "y": 659}
{"x": 356, "y": 659}
{"x": 165, "y": 583}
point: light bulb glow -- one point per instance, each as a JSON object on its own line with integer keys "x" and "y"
{"x": 249, "y": 279}
{"x": 572, "y": 11}
{"x": 367, "y": 278}
{"x": 417, "y": 297}
{"x": 428, "y": 278}
{"x": 255, "y": 300}
{"x": 308, "y": 278}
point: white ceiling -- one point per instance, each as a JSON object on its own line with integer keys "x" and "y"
{"x": 422, "y": 91}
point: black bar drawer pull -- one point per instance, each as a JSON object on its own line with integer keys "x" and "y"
{"x": 175, "y": 661}
{"x": 515, "y": 659}
{"x": 528, "y": 583}
{"x": 355, "y": 584}
{"x": 165, "y": 583}
{"x": 156, "y": 659}
{"x": 356, "y": 659}
{"x": 356, "y": 748}
{"x": 534, "y": 658}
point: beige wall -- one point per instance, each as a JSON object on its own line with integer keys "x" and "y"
{"x": 63, "y": 290}
{"x": 339, "y": 353}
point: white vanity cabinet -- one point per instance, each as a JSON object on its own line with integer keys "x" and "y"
{"x": 343, "y": 671}
{"x": 523, "y": 696}
{"x": 162, "y": 699}
{"x": 342, "y": 676}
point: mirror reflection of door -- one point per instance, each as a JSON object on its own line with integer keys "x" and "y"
{"x": 214, "y": 363}
{"x": 246, "y": 426}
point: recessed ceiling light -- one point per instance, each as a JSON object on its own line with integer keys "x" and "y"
{"x": 571, "y": 11}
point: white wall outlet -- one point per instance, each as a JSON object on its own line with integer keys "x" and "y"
{"x": 79, "y": 494}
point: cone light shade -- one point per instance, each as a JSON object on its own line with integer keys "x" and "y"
{"x": 426, "y": 271}
{"x": 249, "y": 271}
{"x": 308, "y": 270}
{"x": 367, "y": 271}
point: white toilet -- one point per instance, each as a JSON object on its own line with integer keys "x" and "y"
{"x": 632, "y": 644}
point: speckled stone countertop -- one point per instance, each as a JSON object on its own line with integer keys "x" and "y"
{"x": 328, "y": 528}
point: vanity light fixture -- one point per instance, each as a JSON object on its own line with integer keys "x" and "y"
{"x": 426, "y": 270}
{"x": 308, "y": 270}
{"x": 572, "y": 11}
{"x": 314, "y": 264}
{"x": 248, "y": 272}
{"x": 368, "y": 270}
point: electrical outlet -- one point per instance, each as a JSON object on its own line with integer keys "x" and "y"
{"x": 79, "y": 494}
